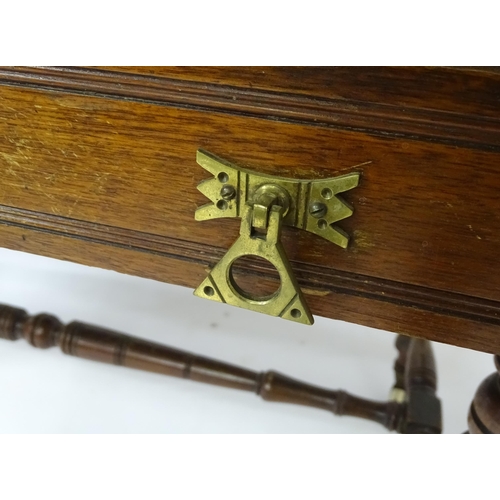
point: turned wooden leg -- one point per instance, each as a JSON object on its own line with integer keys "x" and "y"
{"x": 416, "y": 410}
{"x": 398, "y": 392}
{"x": 423, "y": 406}
{"x": 484, "y": 413}
{"x": 99, "y": 344}
{"x": 415, "y": 386}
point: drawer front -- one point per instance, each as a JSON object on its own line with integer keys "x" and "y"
{"x": 99, "y": 167}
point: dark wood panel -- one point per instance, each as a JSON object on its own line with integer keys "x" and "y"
{"x": 465, "y": 91}
{"x": 423, "y": 212}
{"x": 375, "y": 118}
{"x": 315, "y": 282}
{"x": 363, "y": 310}
{"x": 99, "y": 167}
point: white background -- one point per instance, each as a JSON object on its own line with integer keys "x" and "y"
{"x": 49, "y": 392}
{"x": 36, "y": 388}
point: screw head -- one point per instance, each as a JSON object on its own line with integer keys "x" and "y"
{"x": 318, "y": 209}
{"x": 227, "y": 192}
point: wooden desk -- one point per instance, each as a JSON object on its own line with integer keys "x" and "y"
{"x": 98, "y": 167}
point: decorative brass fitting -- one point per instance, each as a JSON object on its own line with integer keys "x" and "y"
{"x": 265, "y": 203}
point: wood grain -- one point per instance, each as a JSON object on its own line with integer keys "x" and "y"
{"x": 394, "y": 118}
{"x": 316, "y": 282}
{"x": 335, "y": 303}
{"x": 463, "y": 90}
{"x": 95, "y": 171}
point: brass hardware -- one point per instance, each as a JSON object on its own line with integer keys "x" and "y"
{"x": 398, "y": 395}
{"x": 287, "y": 302}
{"x": 300, "y": 196}
{"x": 266, "y": 203}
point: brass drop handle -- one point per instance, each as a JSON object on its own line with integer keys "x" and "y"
{"x": 266, "y": 203}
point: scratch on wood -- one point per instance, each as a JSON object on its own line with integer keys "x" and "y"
{"x": 317, "y": 293}
{"x": 356, "y": 166}
{"x": 71, "y": 209}
{"x": 361, "y": 240}
{"x": 362, "y": 164}
{"x": 10, "y": 160}
{"x": 475, "y": 234}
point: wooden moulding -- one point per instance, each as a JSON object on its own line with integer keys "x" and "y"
{"x": 98, "y": 167}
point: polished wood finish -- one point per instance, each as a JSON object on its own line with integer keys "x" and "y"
{"x": 98, "y": 167}
{"x": 416, "y": 414}
{"x": 402, "y": 345}
{"x": 484, "y": 413}
{"x": 423, "y": 409}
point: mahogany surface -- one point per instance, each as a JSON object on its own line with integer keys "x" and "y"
{"x": 98, "y": 167}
